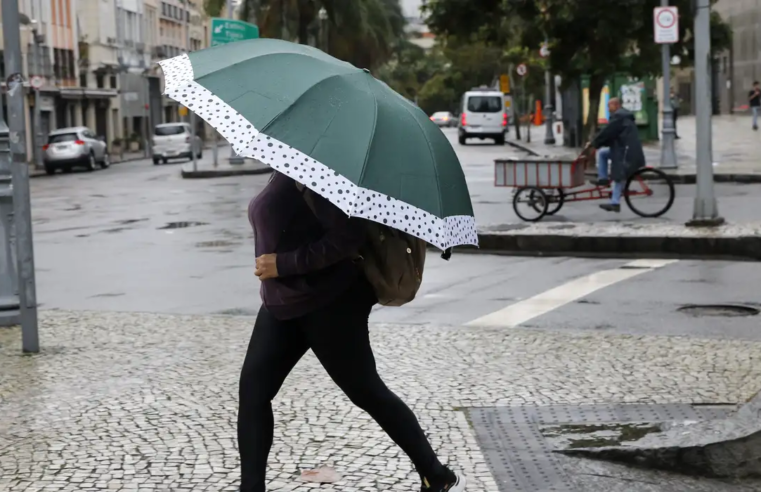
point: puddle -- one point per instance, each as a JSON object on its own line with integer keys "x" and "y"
{"x": 130, "y": 221}
{"x": 598, "y": 435}
{"x": 108, "y": 294}
{"x": 719, "y": 310}
{"x": 182, "y": 225}
{"x": 215, "y": 244}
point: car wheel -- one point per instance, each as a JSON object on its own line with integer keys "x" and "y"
{"x": 164, "y": 160}
{"x": 106, "y": 162}
{"x": 199, "y": 155}
{"x": 90, "y": 164}
{"x": 50, "y": 170}
{"x": 155, "y": 161}
{"x": 500, "y": 140}
{"x": 462, "y": 140}
{"x": 67, "y": 169}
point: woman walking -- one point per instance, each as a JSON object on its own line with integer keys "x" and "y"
{"x": 316, "y": 297}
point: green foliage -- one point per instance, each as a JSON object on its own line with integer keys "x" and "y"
{"x": 597, "y": 38}
{"x": 362, "y": 32}
{"x": 213, "y": 8}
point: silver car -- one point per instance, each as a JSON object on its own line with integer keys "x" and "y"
{"x": 74, "y": 147}
{"x": 172, "y": 141}
{"x": 444, "y": 118}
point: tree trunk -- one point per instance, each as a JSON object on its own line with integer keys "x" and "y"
{"x": 596, "y": 84}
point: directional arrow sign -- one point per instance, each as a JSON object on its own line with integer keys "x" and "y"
{"x": 224, "y": 31}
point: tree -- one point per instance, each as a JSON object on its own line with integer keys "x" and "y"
{"x": 597, "y": 38}
{"x": 362, "y": 32}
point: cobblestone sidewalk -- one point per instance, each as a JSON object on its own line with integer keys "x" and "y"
{"x": 136, "y": 402}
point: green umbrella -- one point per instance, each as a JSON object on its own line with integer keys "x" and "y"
{"x": 332, "y": 127}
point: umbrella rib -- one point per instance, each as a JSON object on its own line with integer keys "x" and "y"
{"x": 430, "y": 149}
{"x": 372, "y": 134}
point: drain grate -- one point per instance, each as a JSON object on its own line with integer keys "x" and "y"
{"x": 520, "y": 458}
{"x": 722, "y": 310}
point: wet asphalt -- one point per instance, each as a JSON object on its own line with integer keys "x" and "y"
{"x": 137, "y": 237}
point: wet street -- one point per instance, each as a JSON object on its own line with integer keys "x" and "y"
{"x": 137, "y": 237}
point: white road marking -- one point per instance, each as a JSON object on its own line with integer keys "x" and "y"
{"x": 528, "y": 309}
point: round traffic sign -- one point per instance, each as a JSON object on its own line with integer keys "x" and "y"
{"x": 36, "y": 81}
{"x": 665, "y": 18}
{"x": 522, "y": 69}
{"x": 544, "y": 51}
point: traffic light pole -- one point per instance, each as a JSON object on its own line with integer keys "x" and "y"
{"x": 20, "y": 179}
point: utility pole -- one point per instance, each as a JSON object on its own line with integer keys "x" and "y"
{"x": 191, "y": 114}
{"x": 549, "y": 136}
{"x": 20, "y": 179}
{"x": 706, "y": 212}
{"x": 37, "y": 112}
{"x": 668, "y": 152}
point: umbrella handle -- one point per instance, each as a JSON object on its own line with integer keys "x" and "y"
{"x": 447, "y": 254}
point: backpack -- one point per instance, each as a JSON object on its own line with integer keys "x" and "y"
{"x": 391, "y": 260}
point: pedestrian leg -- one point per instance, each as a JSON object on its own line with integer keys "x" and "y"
{"x": 615, "y": 196}
{"x": 676, "y": 115}
{"x": 339, "y": 337}
{"x": 274, "y": 350}
{"x": 755, "y": 117}
{"x": 603, "y": 155}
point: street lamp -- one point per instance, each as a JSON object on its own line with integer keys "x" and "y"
{"x": 323, "y": 16}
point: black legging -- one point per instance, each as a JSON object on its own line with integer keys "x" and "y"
{"x": 338, "y": 335}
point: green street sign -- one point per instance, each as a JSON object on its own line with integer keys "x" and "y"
{"x": 225, "y": 31}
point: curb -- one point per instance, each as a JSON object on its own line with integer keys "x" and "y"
{"x": 522, "y": 147}
{"x": 735, "y": 247}
{"x": 224, "y": 173}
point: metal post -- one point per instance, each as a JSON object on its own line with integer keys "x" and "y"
{"x": 37, "y": 112}
{"x": 549, "y": 136}
{"x": 706, "y": 212}
{"x": 191, "y": 114}
{"x": 9, "y": 305}
{"x": 668, "y": 152}
{"x": 20, "y": 179}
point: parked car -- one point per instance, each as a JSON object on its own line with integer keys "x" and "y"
{"x": 444, "y": 118}
{"x": 173, "y": 141}
{"x": 74, "y": 147}
{"x": 483, "y": 116}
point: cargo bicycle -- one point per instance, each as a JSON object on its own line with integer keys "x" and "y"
{"x": 543, "y": 185}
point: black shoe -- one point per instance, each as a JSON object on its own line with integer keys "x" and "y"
{"x": 755, "y": 127}
{"x": 601, "y": 182}
{"x": 610, "y": 207}
{"x": 450, "y": 482}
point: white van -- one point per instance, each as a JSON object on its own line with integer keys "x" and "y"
{"x": 483, "y": 116}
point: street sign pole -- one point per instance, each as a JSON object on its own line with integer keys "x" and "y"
{"x": 20, "y": 179}
{"x": 191, "y": 114}
{"x": 665, "y": 20}
{"x": 549, "y": 136}
{"x": 706, "y": 211}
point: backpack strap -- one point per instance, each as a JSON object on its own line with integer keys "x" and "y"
{"x": 307, "y": 196}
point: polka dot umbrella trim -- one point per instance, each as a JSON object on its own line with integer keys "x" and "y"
{"x": 354, "y": 200}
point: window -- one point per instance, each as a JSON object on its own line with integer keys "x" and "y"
{"x": 113, "y": 81}
{"x": 163, "y": 8}
{"x": 164, "y": 131}
{"x": 99, "y": 80}
{"x": 485, "y": 104}
{"x": 63, "y": 137}
{"x": 82, "y": 79}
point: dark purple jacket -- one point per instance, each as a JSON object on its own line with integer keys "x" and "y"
{"x": 314, "y": 249}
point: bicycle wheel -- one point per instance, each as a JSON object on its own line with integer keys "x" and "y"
{"x": 535, "y": 201}
{"x": 649, "y": 192}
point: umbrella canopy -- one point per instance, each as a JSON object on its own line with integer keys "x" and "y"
{"x": 332, "y": 127}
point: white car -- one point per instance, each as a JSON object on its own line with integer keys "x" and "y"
{"x": 74, "y": 147}
{"x": 483, "y": 116}
{"x": 173, "y": 141}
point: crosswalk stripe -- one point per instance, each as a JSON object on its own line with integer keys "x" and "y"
{"x": 528, "y": 309}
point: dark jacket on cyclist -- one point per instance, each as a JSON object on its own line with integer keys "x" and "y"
{"x": 626, "y": 154}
